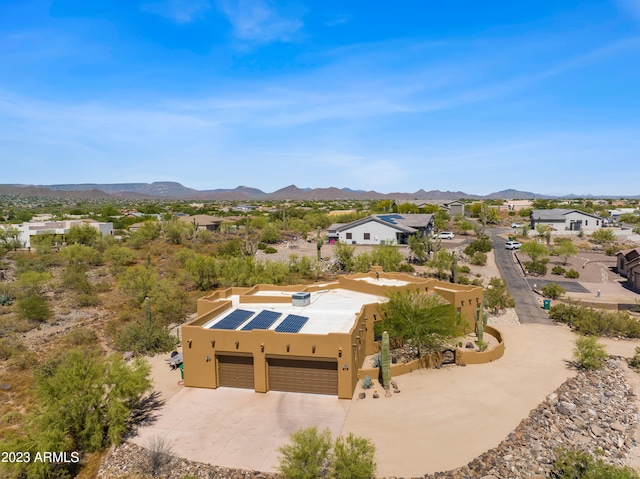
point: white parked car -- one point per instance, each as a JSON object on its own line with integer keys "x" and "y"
{"x": 446, "y": 235}
{"x": 517, "y": 225}
{"x": 512, "y": 245}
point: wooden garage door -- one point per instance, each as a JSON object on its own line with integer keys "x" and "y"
{"x": 303, "y": 376}
{"x": 235, "y": 371}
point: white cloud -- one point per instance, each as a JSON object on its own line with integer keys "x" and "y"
{"x": 257, "y": 21}
{"x": 179, "y": 11}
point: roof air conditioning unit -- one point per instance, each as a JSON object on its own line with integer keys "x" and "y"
{"x": 301, "y": 299}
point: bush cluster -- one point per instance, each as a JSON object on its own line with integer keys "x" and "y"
{"x": 312, "y": 455}
{"x": 573, "y": 464}
{"x": 559, "y": 270}
{"x": 482, "y": 244}
{"x": 552, "y": 290}
{"x": 538, "y": 267}
{"x": 590, "y": 321}
{"x": 479, "y": 259}
{"x": 572, "y": 273}
{"x": 589, "y": 353}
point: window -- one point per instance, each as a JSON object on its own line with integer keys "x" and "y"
{"x": 348, "y": 235}
{"x": 367, "y": 236}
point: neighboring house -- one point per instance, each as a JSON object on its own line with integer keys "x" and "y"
{"x": 628, "y": 263}
{"x": 561, "y": 219}
{"x": 27, "y": 230}
{"x": 305, "y": 339}
{"x": 203, "y": 222}
{"x": 453, "y": 207}
{"x": 393, "y": 228}
{"x": 617, "y": 213}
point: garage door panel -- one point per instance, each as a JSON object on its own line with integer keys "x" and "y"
{"x": 235, "y": 371}
{"x": 305, "y": 376}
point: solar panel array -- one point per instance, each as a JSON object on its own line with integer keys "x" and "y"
{"x": 292, "y": 324}
{"x": 263, "y": 320}
{"x": 233, "y": 320}
{"x": 390, "y": 218}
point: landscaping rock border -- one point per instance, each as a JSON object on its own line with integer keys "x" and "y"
{"x": 595, "y": 410}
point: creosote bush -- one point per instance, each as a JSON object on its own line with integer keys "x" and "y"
{"x": 589, "y": 353}
{"x": 575, "y": 464}
{"x": 552, "y": 290}
{"x": 312, "y": 455}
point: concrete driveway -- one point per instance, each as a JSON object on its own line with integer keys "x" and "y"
{"x": 240, "y": 428}
{"x": 527, "y": 305}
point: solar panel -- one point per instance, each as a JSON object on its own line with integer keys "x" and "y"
{"x": 390, "y": 218}
{"x": 233, "y": 320}
{"x": 263, "y": 320}
{"x": 292, "y": 324}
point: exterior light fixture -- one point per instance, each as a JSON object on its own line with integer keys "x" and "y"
{"x": 237, "y": 344}
{"x": 339, "y": 352}
{"x": 207, "y": 359}
{"x": 189, "y": 341}
{"x": 288, "y": 347}
{"x": 213, "y": 343}
{"x": 313, "y": 349}
{"x": 262, "y": 348}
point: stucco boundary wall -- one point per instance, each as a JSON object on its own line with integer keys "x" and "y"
{"x": 463, "y": 356}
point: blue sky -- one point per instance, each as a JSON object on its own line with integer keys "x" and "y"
{"x": 451, "y": 95}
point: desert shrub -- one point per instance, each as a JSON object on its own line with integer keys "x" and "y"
{"x": 552, "y": 290}
{"x": 496, "y": 295}
{"x": 612, "y": 250}
{"x": 308, "y": 454}
{"x": 479, "y": 259}
{"x": 464, "y": 280}
{"x": 575, "y": 464}
{"x": 145, "y": 337}
{"x": 597, "y": 322}
{"x": 377, "y": 361}
{"x": 558, "y": 270}
{"x": 481, "y": 244}
{"x": 589, "y": 353}
{"x": 353, "y": 458}
{"x": 11, "y": 346}
{"x": 634, "y": 362}
{"x": 464, "y": 269}
{"x": 367, "y": 382}
{"x": 603, "y": 236}
{"x": 538, "y": 267}
{"x": 572, "y": 273}
{"x": 81, "y": 337}
{"x": 34, "y": 307}
{"x": 270, "y": 250}
{"x": 157, "y": 456}
{"x": 271, "y": 234}
{"x": 476, "y": 282}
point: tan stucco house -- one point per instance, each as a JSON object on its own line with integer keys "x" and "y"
{"x": 308, "y": 339}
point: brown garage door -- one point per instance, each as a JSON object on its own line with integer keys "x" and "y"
{"x": 235, "y": 371}
{"x": 303, "y": 375}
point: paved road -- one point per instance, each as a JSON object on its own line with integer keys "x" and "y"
{"x": 527, "y": 306}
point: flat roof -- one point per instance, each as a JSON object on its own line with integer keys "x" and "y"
{"x": 384, "y": 281}
{"x": 329, "y": 311}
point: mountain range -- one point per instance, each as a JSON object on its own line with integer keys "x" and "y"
{"x": 175, "y": 191}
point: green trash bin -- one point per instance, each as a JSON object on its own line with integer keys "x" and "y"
{"x": 546, "y": 304}
{"x": 182, "y": 368}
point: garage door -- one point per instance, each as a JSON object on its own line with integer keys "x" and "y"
{"x": 303, "y": 375}
{"x": 235, "y": 371}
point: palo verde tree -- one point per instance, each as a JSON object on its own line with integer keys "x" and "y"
{"x": 85, "y": 401}
{"x": 565, "y": 249}
{"x": 427, "y": 320}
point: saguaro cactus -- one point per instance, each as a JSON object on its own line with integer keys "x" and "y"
{"x": 454, "y": 267}
{"x": 147, "y": 308}
{"x": 385, "y": 357}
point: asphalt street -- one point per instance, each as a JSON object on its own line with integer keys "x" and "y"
{"x": 527, "y": 305}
